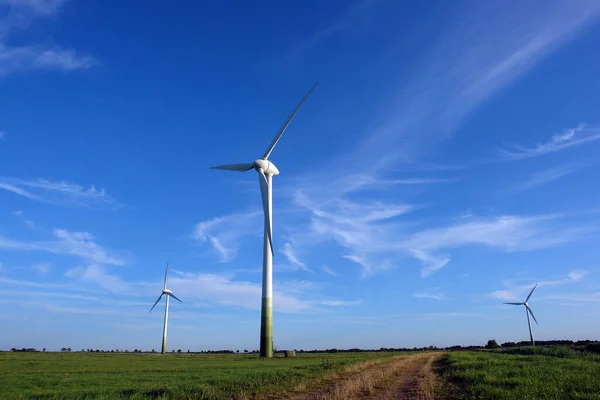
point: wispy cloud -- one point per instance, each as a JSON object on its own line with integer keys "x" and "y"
{"x": 478, "y": 55}
{"x": 361, "y": 228}
{"x": 517, "y": 291}
{"x": 487, "y": 49}
{"x": 33, "y": 56}
{"x": 289, "y": 297}
{"x": 97, "y": 274}
{"x": 329, "y": 271}
{"x": 345, "y": 21}
{"x": 78, "y": 244}
{"x": 376, "y": 238}
{"x": 433, "y": 293}
{"x": 290, "y": 255}
{"x": 223, "y": 233}
{"x": 511, "y": 233}
{"x": 19, "y": 215}
{"x": 58, "y": 192}
{"x": 549, "y": 175}
{"x": 38, "y": 7}
{"x": 41, "y": 268}
{"x": 338, "y": 303}
{"x": 568, "y": 138}
{"x": 577, "y": 297}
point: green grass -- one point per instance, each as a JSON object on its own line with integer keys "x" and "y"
{"x": 525, "y": 373}
{"x": 170, "y": 376}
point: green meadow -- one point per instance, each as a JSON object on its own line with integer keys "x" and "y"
{"x": 170, "y": 376}
{"x": 522, "y": 373}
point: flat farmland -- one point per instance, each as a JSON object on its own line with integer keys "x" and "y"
{"x": 169, "y": 376}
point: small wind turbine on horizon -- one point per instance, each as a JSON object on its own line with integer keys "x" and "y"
{"x": 528, "y": 311}
{"x": 266, "y": 170}
{"x": 168, "y": 293}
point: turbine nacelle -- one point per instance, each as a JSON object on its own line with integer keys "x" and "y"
{"x": 167, "y": 291}
{"x": 266, "y": 166}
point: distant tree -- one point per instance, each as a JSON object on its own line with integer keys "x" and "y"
{"x": 491, "y": 344}
{"x": 63, "y": 349}
{"x": 13, "y": 349}
{"x": 172, "y": 351}
{"x": 179, "y": 351}
{"x": 188, "y": 350}
{"x": 153, "y": 351}
{"x": 69, "y": 349}
{"x": 237, "y": 351}
{"x": 44, "y": 350}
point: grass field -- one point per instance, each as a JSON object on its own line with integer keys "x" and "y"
{"x": 526, "y": 373}
{"x": 172, "y": 376}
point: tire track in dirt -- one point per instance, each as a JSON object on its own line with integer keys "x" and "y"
{"x": 404, "y": 377}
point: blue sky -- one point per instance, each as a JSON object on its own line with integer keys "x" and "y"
{"x": 447, "y": 161}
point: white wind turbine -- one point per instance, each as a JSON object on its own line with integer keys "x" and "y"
{"x": 528, "y": 311}
{"x": 168, "y": 293}
{"x": 266, "y": 170}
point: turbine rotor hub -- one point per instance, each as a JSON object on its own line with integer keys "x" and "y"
{"x": 267, "y": 167}
{"x": 167, "y": 291}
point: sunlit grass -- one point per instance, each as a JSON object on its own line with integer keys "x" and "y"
{"x": 170, "y": 376}
{"x": 543, "y": 373}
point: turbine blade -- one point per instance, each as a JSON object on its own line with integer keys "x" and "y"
{"x": 235, "y": 167}
{"x": 287, "y": 122}
{"x": 175, "y": 297}
{"x": 515, "y": 304}
{"x": 159, "y": 297}
{"x": 264, "y": 191}
{"x": 166, "y": 270}
{"x": 531, "y": 312}
{"x": 527, "y": 299}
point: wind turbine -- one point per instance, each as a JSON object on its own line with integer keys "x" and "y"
{"x": 528, "y": 311}
{"x": 168, "y": 293}
{"x": 266, "y": 170}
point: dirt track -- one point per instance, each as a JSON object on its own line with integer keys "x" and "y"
{"x": 403, "y": 377}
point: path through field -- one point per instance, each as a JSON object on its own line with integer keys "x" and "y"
{"x": 403, "y": 377}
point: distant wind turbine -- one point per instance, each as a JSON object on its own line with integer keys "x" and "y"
{"x": 266, "y": 170}
{"x": 528, "y": 311}
{"x": 168, "y": 293}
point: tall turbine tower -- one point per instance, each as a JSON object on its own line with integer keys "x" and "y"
{"x": 527, "y": 312}
{"x": 266, "y": 170}
{"x": 168, "y": 293}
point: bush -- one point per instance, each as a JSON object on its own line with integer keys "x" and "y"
{"x": 593, "y": 348}
{"x": 492, "y": 344}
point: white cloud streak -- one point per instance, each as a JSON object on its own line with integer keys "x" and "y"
{"x": 375, "y": 236}
{"x": 518, "y": 292}
{"x": 290, "y": 255}
{"x": 433, "y": 293}
{"x": 490, "y": 47}
{"x": 567, "y": 139}
{"x": 35, "y": 57}
{"x": 329, "y": 271}
{"x": 547, "y": 176}
{"x": 58, "y": 192}
{"x": 510, "y": 233}
{"x": 78, "y": 244}
{"x": 224, "y": 233}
